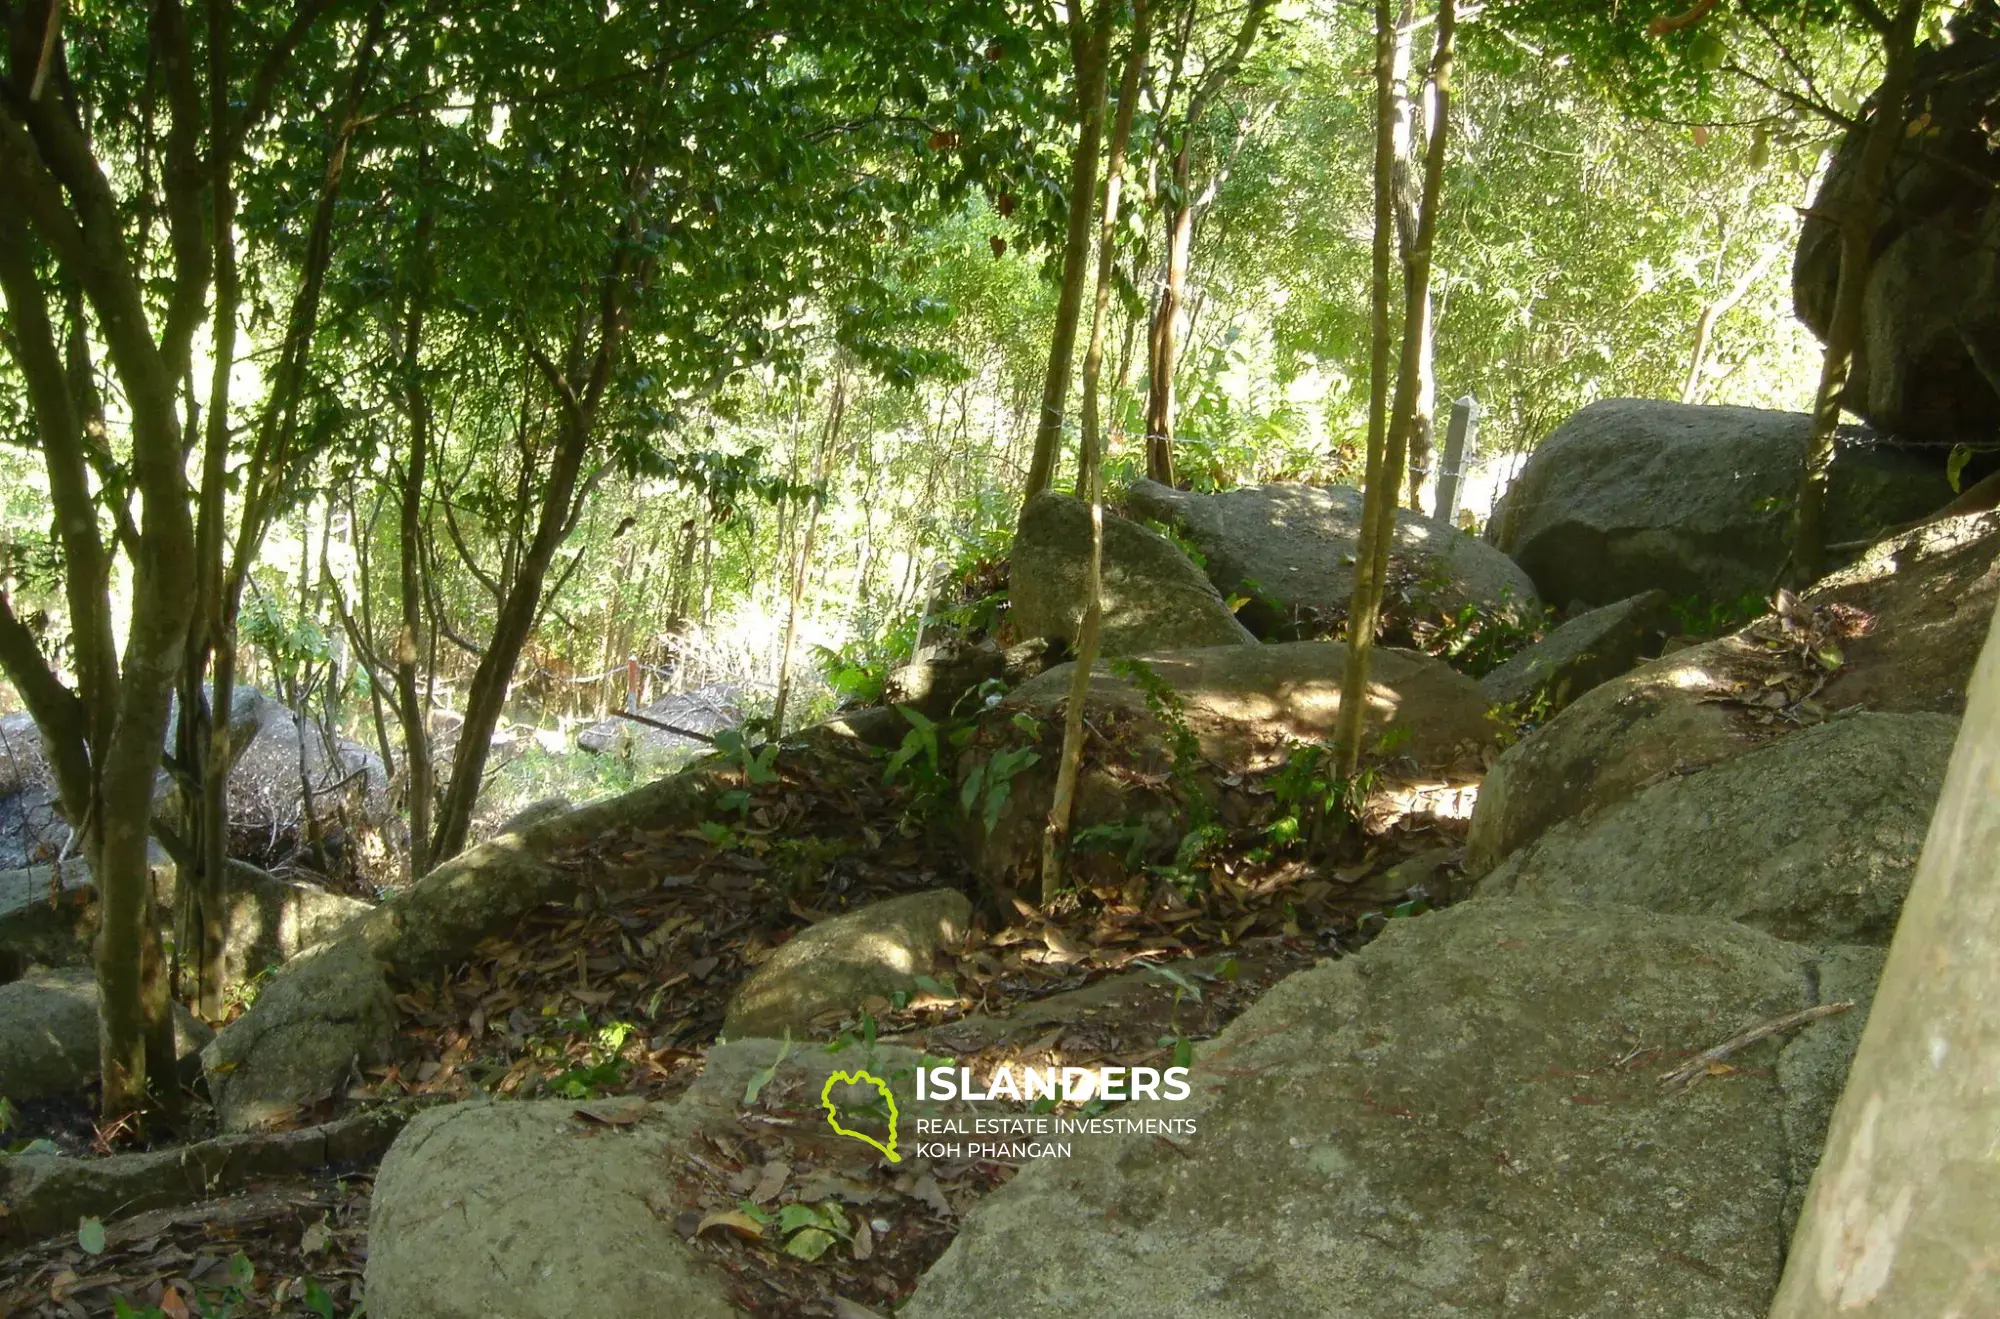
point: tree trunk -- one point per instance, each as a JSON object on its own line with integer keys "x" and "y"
{"x": 1844, "y": 326}
{"x": 1161, "y": 346}
{"x": 1090, "y": 43}
{"x": 1380, "y": 483}
{"x": 1090, "y": 471}
{"x": 1410, "y": 381}
{"x": 486, "y": 699}
{"x": 802, "y": 564}
{"x": 1408, "y": 155}
{"x": 1899, "y": 1221}
{"x": 413, "y": 707}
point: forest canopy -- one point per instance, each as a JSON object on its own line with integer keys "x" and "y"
{"x": 462, "y": 373}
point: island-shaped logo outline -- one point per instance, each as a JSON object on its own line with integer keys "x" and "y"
{"x": 833, "y": 1120}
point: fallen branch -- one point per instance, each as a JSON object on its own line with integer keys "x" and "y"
{"x": 1697, "y": 1067}
{"x": 664, "y": 727}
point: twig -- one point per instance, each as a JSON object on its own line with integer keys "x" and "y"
{"x": 664, "y": 727}
{"x": 1696, "y": 1067}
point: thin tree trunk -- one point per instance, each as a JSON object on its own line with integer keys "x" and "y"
{"x": 802, "y": 564}
{"x": 1090, "y": 42}
{"x": 1408, "y": 187}
{"x": 1090, "y": 469}
{"x": 1388, "y": 438}
{"x": 1899, "y": 1220}
{"x": 1162, "y": 350}
{"x": 1161, "y": 347}
{"x": 410, "y": 639}
{"x": 1844, "y": 326}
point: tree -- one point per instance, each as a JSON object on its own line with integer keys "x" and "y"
{"x": 1088, "y": 29}
{"x": 1175, "y": 137}
{"x": 1383, "y": 479}
{"x": 1883, "y": 134}
{"x": 1090, "y": 467}
{"x": 1899, "y": 1216}
{"x": 75, "y": 100}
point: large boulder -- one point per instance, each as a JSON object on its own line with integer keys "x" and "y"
{"x": 1291, "y": 550}
{"x": 48, "y": 1033}
{"x": 704, "y": 711}
{"x": 832, "y": 968}
{"x": 49, "y": 913}
{"x": 310, "y": 1030}
{"x": 941, "y": 676}
{"x": 1666, "y": 717}
{"x": 1928, "y": 364}
{"x": 529, "y": 1211}
{"x": 1248, "y": 706}
{"x": 1924, "y": 600}
{"x": 1905, "y": 624}
{"x": 31, "y": 824}
{"x": 1360, "y": 1151}
{"x": 464, "y": 1225}
{"x": 1154, "y": 597}
{"x": 1813, "y": 837}
{"x": 350, "y": 790}
{"x": 1588, "y": 650}
{"x": 1193, "y": 722}
{"x": 1633, "y": 495}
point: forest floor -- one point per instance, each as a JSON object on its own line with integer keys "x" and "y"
{"x": 614, "y": 999}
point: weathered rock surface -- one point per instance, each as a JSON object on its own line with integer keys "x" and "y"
{"x": 1590, "y": 649}
{"x": 1928, "y": 595}
{"x": 1813, "y": 838}
{"x": 832, "y": 967}
{"x": 1246, "y": 708}
{"x": 534, "y": 813}
{"x": 47, "y": 915}
{"x": 1154, "y": 596}
{"x": 1461, "y": 1120}
{"x": 325, "y": 1017}
{"x": 532, "y": 1211}
{"x": 319, "y": 1013}
{"x": 1928, "y": 366}
{"x": 273, "y": 919}
{"x": 1633, "y": 495}
{"x": 1915, "y": 608}
{"x": 939, "y": 678}
{"x": 48, "y": 1033}
{"x": 1291, "y": 550}
{"x": 1248, "y": 705}
{"x": 523, "y": 1210}
{"x": 266, "y": 800}
{"x": 1612, "y": 741}
{"x": 31, "y": 825}
{"x": 44, "y": 1194}
{"x": 705, "y": 710}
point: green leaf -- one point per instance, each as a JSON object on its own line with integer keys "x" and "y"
{"x": 765, "y": 1077}
{"x": 90, "y": 1236}
{"x": 1954, "y": 466}
{"x": 792, "y": 1217}
{"x": 1188, "y": 987}
{"x": 317, "y": 1300}
{"x": 810, "y": 1244}
{"x": 241, "y": 1271}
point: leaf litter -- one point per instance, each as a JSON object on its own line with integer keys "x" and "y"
{"x": 611, "y": 999}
